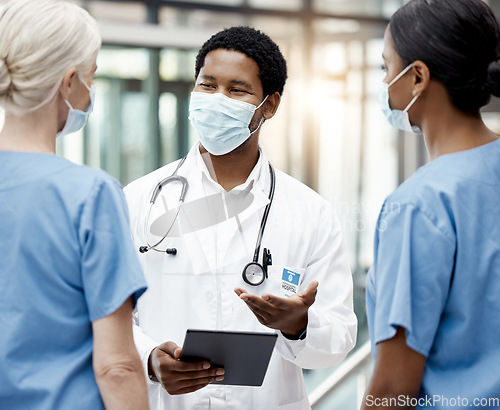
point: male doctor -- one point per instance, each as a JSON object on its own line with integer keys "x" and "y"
{"x": 194, "y": 255}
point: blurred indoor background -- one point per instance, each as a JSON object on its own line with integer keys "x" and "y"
{"x": 329, "y": 131}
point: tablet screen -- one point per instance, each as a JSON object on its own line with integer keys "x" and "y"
{"x": 244, "y": 355}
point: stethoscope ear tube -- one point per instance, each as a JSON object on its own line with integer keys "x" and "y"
{"x": 170, "y": 251}
{"x": 164, "y": 182}
{"x": 172, "y": 178}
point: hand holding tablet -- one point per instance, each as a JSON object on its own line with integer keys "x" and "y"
{"x": 243, "y": 355}
{"x": 176, "y": 376}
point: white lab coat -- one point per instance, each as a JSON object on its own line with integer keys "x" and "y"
{"x": 215, "y": 236}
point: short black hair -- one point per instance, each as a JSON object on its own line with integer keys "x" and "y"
{"x": 256, "y": 45}
{"x": 458, "y": 40}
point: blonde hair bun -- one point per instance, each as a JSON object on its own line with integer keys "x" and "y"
{"x": 5, "y": 78}
{"x": 41, "y": 41}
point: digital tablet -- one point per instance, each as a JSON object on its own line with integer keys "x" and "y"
{"x": 243, "y": 355}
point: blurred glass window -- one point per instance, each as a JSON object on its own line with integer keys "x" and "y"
{"x": 125, "y": 12}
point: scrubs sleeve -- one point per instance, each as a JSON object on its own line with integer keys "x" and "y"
{"x": 414, "y": 260}
{"x": 332, "y": 324}
{"x": 110, "y": 269}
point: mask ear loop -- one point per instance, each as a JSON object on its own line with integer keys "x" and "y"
{"x": 255, "y": 130}
{"x": 401, "y": 74}
{"x": 262, "y": 119}
{"x": 411, "y": 102}
{"x": 86, "y": 86}
{"x": 263, "y": 101}
{"x": 84, "y": 83}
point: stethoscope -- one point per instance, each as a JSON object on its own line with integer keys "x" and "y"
{"x": 254, "y": 273}
{"x": 172, "y": 178}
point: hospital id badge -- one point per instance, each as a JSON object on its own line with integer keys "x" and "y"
{"x": 289, "y": 283}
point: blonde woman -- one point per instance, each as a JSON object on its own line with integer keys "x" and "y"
{"x": 69, "y": 277}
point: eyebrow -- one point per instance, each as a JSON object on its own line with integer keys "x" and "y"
{"x": 208, "y": 77}
{"x": 233, "y": 82}
{"x": 243, "y": 83}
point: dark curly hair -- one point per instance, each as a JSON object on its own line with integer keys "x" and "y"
{"x": 256, "y": 45}
{"x": 459, "y": 40}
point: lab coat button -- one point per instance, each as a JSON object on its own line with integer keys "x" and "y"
{"x": 198, "y": 407}
{"x": 218, "y": 393}
{"x": 210, "y": 296}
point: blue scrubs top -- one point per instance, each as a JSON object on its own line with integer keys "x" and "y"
{"x": 436, "y": 273}
{"x": 66, "y": 259}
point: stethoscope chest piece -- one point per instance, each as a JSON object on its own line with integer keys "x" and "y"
{"x": 254, "y": 273}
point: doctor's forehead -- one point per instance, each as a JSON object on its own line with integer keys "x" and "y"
{"x": 230, "y": 65}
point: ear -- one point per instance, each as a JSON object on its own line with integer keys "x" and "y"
{"x": 68, "y": 83}
{"x": 271, "y": 106}
{"x": 422, "y": 77}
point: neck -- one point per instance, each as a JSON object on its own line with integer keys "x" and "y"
{"x": 233, "y": 169}
{"x": 447, "y": 129}
{"x": 31, "y": 132}
{"x": 454, "y": 134}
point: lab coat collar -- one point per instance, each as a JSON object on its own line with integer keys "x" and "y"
{"x": 258, "y": 178}
{"x": 196, "y": 172}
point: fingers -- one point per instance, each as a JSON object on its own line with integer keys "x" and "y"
{"x": 259, "y": 305}
{"x": 188, "y": 367}
{"x": 201, "y": 377}
{"x": 178, "y": 353}
{"x": 271, "y": 310}
{"x": 239, "y": 291}
{"x": 175, "y": 365}
{"x": 309, "y": 295}
{"x": 179, "y": 377}
{"x": 255, "y": 301}
{"x": 281, "y": 303}
{"x": 168, "y": 354}
{"x": 181, "y": 383}
{"x": 263, "y": 316}
{"x": 196, "y": 384}
{"x": 170, "y": 348}
{"x": 312, "y": 287}
{"x": 286, "y": 314}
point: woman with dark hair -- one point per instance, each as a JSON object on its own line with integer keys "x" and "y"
{"x": 433, "y": 290}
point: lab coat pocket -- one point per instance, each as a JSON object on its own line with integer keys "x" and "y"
{"x": 284, "y": 281}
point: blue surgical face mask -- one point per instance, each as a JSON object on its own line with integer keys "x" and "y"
{"x": 221, "y": 122}
{"x": 77, "y": 119}
{"x": 397, "y": 118}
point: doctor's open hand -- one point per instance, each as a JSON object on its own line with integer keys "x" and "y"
{"x": 179, "y": 377}
{"x": 289, "y": 315}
